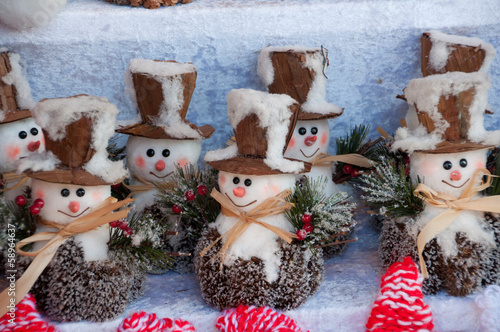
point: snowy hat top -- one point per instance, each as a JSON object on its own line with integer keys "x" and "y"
{"x": 77, "y": 130}
{"x": 263, "y": 124}
{"x": 300, "y": 73}
{"x": 15, "y": 92}
{"x": 446, "y": 114}
{"x": 162, "y": 92}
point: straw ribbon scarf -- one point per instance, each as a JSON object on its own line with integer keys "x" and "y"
{"x": 103, "y": 214}
{"x": 324, "y": 160}
{"x": 270, "y": 207}
{"x": 13, "y": 177}
{"x": 454, "y": 206}
{"x": 146, "y": 185}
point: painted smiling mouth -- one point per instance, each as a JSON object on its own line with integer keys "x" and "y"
{"x": 69, "y": 215}
{"x": 310, "y": 155}
{"x": 161, "y": 177}
{"x": 457, "y": 187}
{"x": 240, "y": 205}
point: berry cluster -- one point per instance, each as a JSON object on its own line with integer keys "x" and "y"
{"x": 190, "y": 196}
{"x": 351, "y": 170}
{"x": 35, "y": 208}
{"x": 307, "y": 226}
{"x": 123, "y": 225}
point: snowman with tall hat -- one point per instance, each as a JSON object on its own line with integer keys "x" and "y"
{"x": 246, "y": 256}
{"x": 72, "y": 276}
{"x": 162, "y": 139}
{"x": 20, "y": 135}
{"x": 300, "y": 73}
{"x": 456, "y": 237}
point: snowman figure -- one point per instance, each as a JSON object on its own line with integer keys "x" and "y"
{"x": 299, "y": 72}
{"x": 72, "y": 181}
{"x": 253, "y": 263}
{"x": 458, "y": 247}
{"x": 20, "y": 136}
{"x": 163, "y": 139}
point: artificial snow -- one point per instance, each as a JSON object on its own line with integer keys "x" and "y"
{"x": 442, "y": 47}
{"x": 26, "y": 14}
{"x": 489, "y": 304}
{"x": 16, "y": 77}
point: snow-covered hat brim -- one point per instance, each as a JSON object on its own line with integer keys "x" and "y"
{"x": 70, "y": 176}
{"x": 157, "y": 132}
{"x": 251, "y": 166}
{"x": 16, "y": 116}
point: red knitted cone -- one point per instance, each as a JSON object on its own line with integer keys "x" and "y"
{"x": 143, "y": 322}
{"x": 252, "y": 319}
{"x": 400, "y": 307}
{"x": 25, "y": 318}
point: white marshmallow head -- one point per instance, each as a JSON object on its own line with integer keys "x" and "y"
{"x": 248, "y": 191}
{"x": 309, "y": 139}
{"x": 63, "y": 203}
{"x": 17, "y": 140}
{"x": 156, "y": 159}
{"x": 448, "y": 173}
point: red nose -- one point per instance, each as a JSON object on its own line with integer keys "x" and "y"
{"x": 455, "y": 176}
{"x": 160, "y": 165}
{"x": 33, "y": 146}
{"x": 310, "y": 140}
{"x": 239, "y": 192}
{"x": 74, "y": 206}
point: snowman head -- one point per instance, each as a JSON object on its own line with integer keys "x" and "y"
{"x": 310, "y": 138}
{"x": 447, "y": 173}
{"x": 156, "y": 159}
{"x": 63, "y": 203}
{"x": 17, "y": 140}
{"x": 248, "y": 191}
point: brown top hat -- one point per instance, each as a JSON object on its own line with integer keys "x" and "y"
{"x": 446, "y": 114}
{"x": 263, "y": 124}
{"x": 77, "y": 130}
{"x": 300, "y": 73}
{"x": 10, "y": 100}
{"x": 162, "y": 91}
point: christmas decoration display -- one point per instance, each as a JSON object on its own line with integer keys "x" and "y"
{"x": 25, "y": 317}
{"x": 20, "y": 135}
{"x": 489, "y": 304}
{"x": 26, "y": 14}
{"x": 149, "y": 4}
{"x": 448, "y": 228}
{"x": 300, "y": 73}
{"x": 247, "y": 255}
{"x": 400, "y": 306}
{"x": 143, "y": 322}
{"x": 253, "y": 319}
{"x": 72, "y": 276}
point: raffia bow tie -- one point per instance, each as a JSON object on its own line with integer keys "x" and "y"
{"x": 324, "y": 160}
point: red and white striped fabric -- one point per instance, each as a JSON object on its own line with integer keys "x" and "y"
{"x": 143, "y": 322}
{"x": 400, "y": 307}
{"x": 253, "y": 319}
{"x": 26, "y": 318}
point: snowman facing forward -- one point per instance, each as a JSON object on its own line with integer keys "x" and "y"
{"x": 246, "y": 256}
{"x": 456, "y": 237}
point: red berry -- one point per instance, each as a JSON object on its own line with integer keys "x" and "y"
{"x": 114, "y": 224}
{"x": 347, "y": 169}
{"x": 307, "y": 218}
{"x": 123, "y": 225}
{"x": 34, "y": 210}
{"x": 39, "y": 202}
{"x": 308, "y": 228}
{"x": 301, "y": 234}
{"x": 407, "y": 160}
{"x": 189, "y": 195}
{"x": 116, "y": 185}
{"x": 202, "y": 190}
{"x": 176, "y": 209}
{"x": 20, "y": 200}
{"x": 355, "y": 173}
{"x": 128, "y": 231}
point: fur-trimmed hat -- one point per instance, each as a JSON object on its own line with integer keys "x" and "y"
{"x": 263, "y": 124}
{"x": 162, "y": 92}
{"x": 300, "y": 73}
{"x": 446, "y": 114}
{"x": 15, "y": 92}
{"x": 77, "y": 130}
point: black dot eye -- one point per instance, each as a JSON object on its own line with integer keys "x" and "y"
{"x": 80, "y": 192}
{"x": 65, "y": 192}
{"x": 150, "y": 153}
{"x": 302, "y": 130}
{"x": 166, "y": 153}
{"x": 23, "y": 134}
{"x": 314, "y": 130}
{"x": 463, "y": 163}
{"x": 34, "y": 131}
{"x": 248, "y": 182}
{"x": 447, "y": 165}
{"x": 236, "y": 180}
